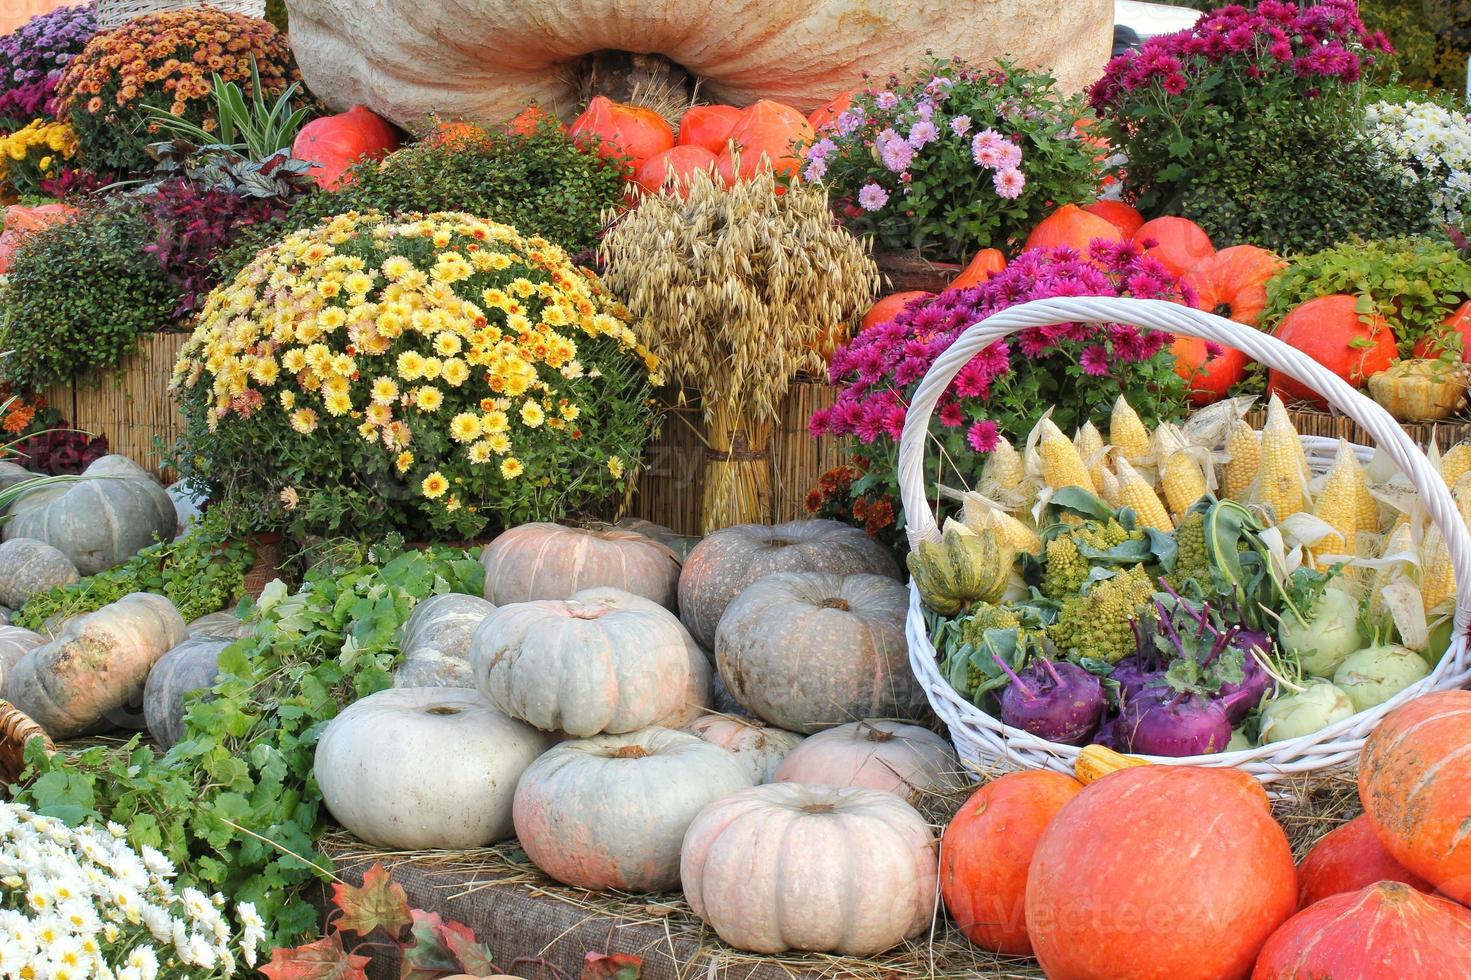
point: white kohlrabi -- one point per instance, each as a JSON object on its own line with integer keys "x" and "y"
{"x": 1375, "y": 674}
{"x": 1329, "y": 634}
{"x": 1315, "y": 707}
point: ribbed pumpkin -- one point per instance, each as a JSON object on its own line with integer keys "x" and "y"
{"x": 550, "y": 561}
{"x": 220, "y": 626}
{"x": 435, "y": 641}
{"x": 191, "y": 666}
{"x": 602, "y": 661}
{"x": 891, "y": 306}
{"x": 485, "y": 59}
{"x": 1415, "y": 781}
{"x": 809, "y": 650}
{"x": 630, "y": 132}
{"x": 1184, "y": 876}
{"x": 612, "y": 811}
{"x": 1179, "y": 242}
{"x": 983, "y": 265}
{"x": 707, "y": 126}
{"x": 729, "y": 560}
{"x": 987, "y": 849}
{"x": 91, "y": 677}
{"x": 424, "y": 767}
{"x": 1347, "y": 859}
{"x": 811, "y": 868}
{"x": 680, "y": 544}
{"x": 961, "y": 568}
{"x": 1233, "y": 282}
{"x": 334, "y": 144}
{"x": 97, "y": 523}
{"x": 1072, "y": 227}
{"x": 1328, "y": 330}
{"x": 16, "y": 642}
{"x": 760, "y": 748}
{"x": 888, "y": 756}
{"x": 1387, "y": 931}
{"x": 670, "y": 171}
{"x": 764, "y": 137}
{"x": 28, "y": 567}
{"x": 1125, "y": 217}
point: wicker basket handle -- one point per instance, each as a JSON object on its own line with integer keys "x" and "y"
{"x": 1177, "y": 319}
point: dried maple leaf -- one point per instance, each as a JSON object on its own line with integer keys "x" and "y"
{"x": 324, "y": 959}
{"x": 612, "y": 966}
{"x": 380, "y": 902}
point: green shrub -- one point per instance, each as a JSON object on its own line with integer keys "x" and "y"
{"x": 80, "y": 292}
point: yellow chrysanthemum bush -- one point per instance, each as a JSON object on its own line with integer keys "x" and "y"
{"x": 35, "y": 153}
{"x": 426, "y": 374}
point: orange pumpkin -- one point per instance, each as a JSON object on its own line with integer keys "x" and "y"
{"x": 524, "y": 123}
{"x": 708, "y": 126}
{"x": 826, "y": 115}
{"x": 1346, "y": 860}
{"x": 456, "y": 134}
{"x": 987, "y": 849}
{"x": 334, "y": 143}
{"x": 1125, "y": 217}
{"x": 1179, "y": 242}
{"x": 890, "y": 306}
{"x": 1415, "y": 781}
{"x": 628, "y": 131}
{"x": 1072, "y": 227}
{"x": 1387, "y": 931}
{"x": 1457, "y": 321}
{"x": 987, "y": 262}
{"x": 1209, "y": 378}
{"x": 765, "y": 130}
{"x": 1328, "y": 330}
{"x": 1174, "y": 872}
{"x": 676, "y": 163}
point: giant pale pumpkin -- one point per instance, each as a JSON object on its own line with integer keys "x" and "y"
{"x": 760, "y": 748}
{"x": 1415, "y": 783}
{"x": 1347, "y": 859}
{"x": 552, "y": 561}
{"x": 1160, "y": 873}
{"x": 16, "y": 642}
{"x": 707, "y": 126}
{"x": 1072, "y": 227}
{"x": 909, "y": 761}
{"x": 502, "y": 54}
{"x": 1178, "y": 243}
{"x": 987, "y": 849}
{"x": 1387, "y": 931}
{"x": 435, "y": 641}
{"x": 766, "y": 136}
{"x": 1329, "y": 330}
{"x": 334, "y": 144}
{"x": 28, "y": 567}
{"x": 191, "y": 666}
{"x": 625, "y": 131}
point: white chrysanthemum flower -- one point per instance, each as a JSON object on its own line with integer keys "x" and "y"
{"x": 156, "y": 862}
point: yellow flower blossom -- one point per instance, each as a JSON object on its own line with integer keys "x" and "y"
{"x": 428, "y": 398}
{"x": 338, "y": 403}
{"x": 403, "y": 462}
{"x": 569, "y": 411}
{"x": 499, "y": 443}
{"x": 434, "y": 485}
{"x": 379, "y": 414}
{"x": 395, "y": 267}
{"x": 410, "y": 365}
{"x": 384, "y": 390}
{"x": 432, "y": 366}
{"x": 455, "y": 372}
{"x": 511, "y": 467}
{"x": 532, "y": 415}
{"x": 304, "y": 420}
{"x": 288, "y": 400}
{"x": 479, "y": 452}
{"x": 265, "y": 370}
{"x": 465, "y": 427}
{"x": 447, "y": 345}
{"x": 615, "y": 467}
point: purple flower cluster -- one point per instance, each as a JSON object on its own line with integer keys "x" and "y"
{"x": 879, "y": 370}
{"x": 33, "y": 56}
{"x": 1324, "y": 42}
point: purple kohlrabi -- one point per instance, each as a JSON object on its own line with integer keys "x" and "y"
{"x": 1060, "y": 702}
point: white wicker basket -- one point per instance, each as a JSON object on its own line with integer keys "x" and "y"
{"x": 983, "y": 741}
{"x": 114, "y": 13}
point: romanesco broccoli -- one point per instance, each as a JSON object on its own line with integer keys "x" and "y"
{"x": 985, "y": 616}
{"x": 1191, "y": 560}
{"x": 1097, "y": 624}
{"x": 1065, "y": 568}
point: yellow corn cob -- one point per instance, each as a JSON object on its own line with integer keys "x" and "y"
{"x": 1401, "y": 539}
{"x": 1126, "y": 432}
{"x": 1011, "y": 532}
{"x": 1108, "y": 488}
{"x": 1283, "y": 467}
{"x": 1003, "y": 469}
{"x": 1338, "y": 503}
{"x": 1461, "y": 494}
{"x": 1061, "y": 466}
{"x": 1135, "y": 492}
{"x": 1088, "y": 441}
{"x": 1094, "y": 762}
{"x": 1367, "y": 509}
{"x": 1437, "y": 577}
{"x": 1456, "y": 463}
{"x": 1244, "y": 455}
{"x": 1184, "y": 482}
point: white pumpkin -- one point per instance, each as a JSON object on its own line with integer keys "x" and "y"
{"x": 759, "y": 747}
{"x": 680, "y": 544}
{"x": 191, "y": 666}
{"x": 435, "y": 641}
{"x": 806, "y": 651}
{"x": 91, "y": 677}
{"x": 827, "y": 869}
{"x": 485, "y": 59}
{"x": 888, "y": 756}
{"x": 97, "y": 522}
{"x": 28, "y": 567}
{"x": 223, "y": 625}
{"x": 424, "y": 767}
{"x": 16, "y": 642}
{"x": 550, "y": 561}
{"x": 611, "y": 812}
{"x": 602, "y": 661}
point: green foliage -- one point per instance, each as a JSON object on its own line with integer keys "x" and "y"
{"x": 542, "y": 183}
{"x": 200, "y": 573}
{"x": 246, "y": 124}
{"x": 1413, "y": 283}
{"x": 79, "y": 294}
{"x": 1297, "y": 185}
{"x": 234, "y": 804}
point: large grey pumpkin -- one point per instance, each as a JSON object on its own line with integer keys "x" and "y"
{"x": 435, "y": 641}
{"x": 806, "y": 651}
{"x": 191, "y": 666}
{"x": 82, "y": 681}
{"x": 28, "y": 566}
{"x": 729, "y": 560}
{"x": 98, "y": 522}
{"x": 16, "y": 642}
{"x": 551, "y": 561}
{"x": 223, "y": 625}
{"x": 680, "y": 544}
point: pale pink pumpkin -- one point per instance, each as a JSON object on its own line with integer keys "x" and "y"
{"x": 889, "y": 756}
{"x": 611, "y": 812}
{"x": 812, "y": 868}
{"x": 550, "y": 561}
{"x": 760, "y": 747}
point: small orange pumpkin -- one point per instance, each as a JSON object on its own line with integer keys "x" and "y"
{"x": 674, "y": 166}
{"x": 1179, "y": 242}
{"x": 623, "y": 131}
{"x": 1123, "y": 216}
{"x": 1072, "y": 227}
{"x": 890, "y": 306}
{"x": 987, "y": 263}
{"x": 524, "y": 123}
{"x": 767, "y": 130}
{"x": 825, "y": 115}
{"x": 1457, "y": 321}
{"x": 1328, "y": 329}
{"x": 1233, "y": 282}
{"x": 333, "y": 144}
{"x": 708, "y": 126}
{"x": 1346, "y": 860}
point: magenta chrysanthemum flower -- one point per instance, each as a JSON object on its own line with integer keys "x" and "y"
{"x": 983, "y": 436}
{"x": 1094, "y": 360}
{"x": 952, "y": 416}
{"x": 894, "y": 152}
{"x": 872, "y": 197}
{"x": 922, "y": 133}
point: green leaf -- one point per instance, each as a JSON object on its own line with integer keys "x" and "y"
{"x": 379, "y": 903}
